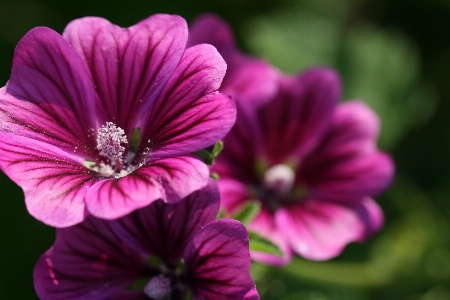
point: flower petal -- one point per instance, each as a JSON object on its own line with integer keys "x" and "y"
{"x": 352, "y": 178}
{"x": 88, "y": 261}
{"x": 170, "y": 179}
{"x": 319, "y": 230}
{"x": 190, "y": 115}
{"x": 347, "y": 164}
{"x": 294, "y": 122}
{"x": 247, "y": 79}
{"x": 54, "y": 182}
{"x": 49, "y": 96}
{"x": 218, "y": 260}
{"x": 266, "y": 225}
{"x": 163, "y": 229}
{"x": 129, "y": 67}
{"x": 233, "y": 194}
{"x": 211, "y": 29}
{"x": 242, "y": 147}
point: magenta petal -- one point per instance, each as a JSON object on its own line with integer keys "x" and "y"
{"x": 233, "y": 194}
{"x": 354, "y": 178}
{"x": 218, "y": 260}
{"x": 238, "y": 161}
{"x": 54, "y": 182}
{"x": 163, "y": 229}
{"x": 170, "y": 179}
{"x": 129, "y": 66}
{"x": 355, "y": 127}
{"x": 88, "y": 261}
{"x": 190, "y": 115}
{"x": 248, "y": 79}
{"x": 211, "y": 29}
{"x": 347, "y": 164}
{"x": 49, "y": 96}
{"x": 267, "y": 225}
{"x": 320, "y": 230}
{"x": 294, "y": 122}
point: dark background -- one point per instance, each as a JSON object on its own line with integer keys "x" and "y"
{"x": 394, "y": 54}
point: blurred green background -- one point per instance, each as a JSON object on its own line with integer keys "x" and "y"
{"x": 394, "y": 54}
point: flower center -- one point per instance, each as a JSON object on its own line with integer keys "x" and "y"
{"x": 158, "y": 287}
{"x": 109, "y": 140}
{"x": 280, "y": 179}
{"x": 278, "y": 188}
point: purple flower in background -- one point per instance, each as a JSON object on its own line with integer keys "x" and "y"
{"x": 160, "y": 251}
{"x": 102, "y": 120}
{"x": 247, "y": 77}
{"x": 312, "y": 163}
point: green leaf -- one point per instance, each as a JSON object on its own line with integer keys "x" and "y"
{"x": 208, "y": 156}
{"x": 260, "y": 244}
{"x": 248, "y": 212}
{"x": 205, "y": 156}
{"x": 218, "y": 147}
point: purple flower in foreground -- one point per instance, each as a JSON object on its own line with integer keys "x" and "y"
{"x": 101, "y": 120}
{"x": 314, "y": 165}
{"x": 170, "y": 249}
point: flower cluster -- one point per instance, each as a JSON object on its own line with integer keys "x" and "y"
{"x": 102, "y": 128}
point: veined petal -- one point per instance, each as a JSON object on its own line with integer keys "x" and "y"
{"x": 242, "y": 146}
{"x": 294, "y": 121}
{"x": 54, "y": 182}
{"x": 49, "y": 96}
{"x": 347, "y": 164}
{"x": 169, "y": 179}
{"x": 352, "y": 178}
{"x": 164, "y": 229}
{"x": 129, "y": 66}
{"x": 88, "y": 261}
{"x": 190, "y": 115}
{"x": 218, "y": 260}
{"x": 320, "y": 230}
{"x": 267, "y": 225}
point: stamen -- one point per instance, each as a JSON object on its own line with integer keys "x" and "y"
{"x": 109, "y": 140}
{"x": 280, "y": 178}
{"x": 157, "y": 287}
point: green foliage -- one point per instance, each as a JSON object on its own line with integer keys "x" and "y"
{"x": 260, "y": 244}
{"x": 208, "y": 156}
{"x": 248, "y": 212}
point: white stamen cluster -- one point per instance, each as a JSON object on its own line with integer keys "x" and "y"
{"x": 109, "y": 140}
{"x": 280, "y": 177}
{"x": 157, "y": 287}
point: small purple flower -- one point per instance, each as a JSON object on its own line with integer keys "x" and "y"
{"x": 102, "y": 120}
{"x": 160, "y": 251}
{"x": 312, "y": 163}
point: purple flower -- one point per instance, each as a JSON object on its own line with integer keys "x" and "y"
{"x": 163, "y": 250}
{"x": 312, "y": 163}
{"x": 247, "y": 77}
{"x": 102, "y": 120}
